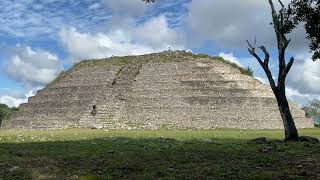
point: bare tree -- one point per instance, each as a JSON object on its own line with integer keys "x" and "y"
{"x": 283, "y": 24}
{"x": 284, "y": 21}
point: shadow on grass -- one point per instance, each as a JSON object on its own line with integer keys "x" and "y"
{"x": 150, "y": 158}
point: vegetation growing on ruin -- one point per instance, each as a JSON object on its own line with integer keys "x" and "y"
{"x": 101, "y": 154}
{"x": 164, "y": 57}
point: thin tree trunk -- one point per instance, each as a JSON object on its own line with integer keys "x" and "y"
{"x": 291, "y": 132}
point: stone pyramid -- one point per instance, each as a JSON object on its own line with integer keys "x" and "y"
{"x": 173, "y": 89}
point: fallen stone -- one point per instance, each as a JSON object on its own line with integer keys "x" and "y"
{"x": 14, "y": 168}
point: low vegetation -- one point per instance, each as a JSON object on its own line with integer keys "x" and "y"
{"x": 164, "y": 57}
{"x": 101, "y": 154}
{"x": 5, "y": 112}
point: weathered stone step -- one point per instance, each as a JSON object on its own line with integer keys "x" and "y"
{"x": 214, "y": 102}
{"x": 95, "y": 69}
{"x": 89, "y": 78}
{"x": 201, "y": 122}
{"x": 239, "y": 108}
{"x": 201, "y": 93}
{"x": 93, "y": 82}
{"x": 304, "y": 122}
{"x": 71, "y": 114}
{"x": 192, "y": 77}
{"x": 243, "y": 84}
{"x": 62, "y": 97}
{"x": 194, "y": 70}
{"x": 173, "y": 112}
{"x": 91, "y": 75}
{"x": 56, "y": 105}
{"x": 76, "y": 89}
{"x": 185, "y": 65}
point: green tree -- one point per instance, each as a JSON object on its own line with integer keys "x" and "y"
{"x": 313, "y": 111}
{"x": 308, "y": 12}
{"x": 5, "y": 112}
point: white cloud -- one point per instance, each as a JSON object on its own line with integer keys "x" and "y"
{"x": 230, "y": 57}
{"x": 305, "y": 75}
{"x": 133, "y": 40}
{"x": 33, "y": 19}
{"x": 300, "y": 98}
{"x": 156, "y": 33}
{"x": 32, "y": 68}
{"x": 231, "y": 23}
{"x": 14, "y": 100}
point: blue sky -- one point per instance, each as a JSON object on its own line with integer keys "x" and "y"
{"x": 40, "y": 38}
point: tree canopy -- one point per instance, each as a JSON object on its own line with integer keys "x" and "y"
{"x": 308, "y": 13}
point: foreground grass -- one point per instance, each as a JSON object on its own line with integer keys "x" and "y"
{"x": 100, "y": 154}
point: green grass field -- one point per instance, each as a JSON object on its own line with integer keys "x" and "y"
{"x": 182, "y": 154}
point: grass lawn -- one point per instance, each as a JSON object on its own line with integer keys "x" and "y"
{"x": 182, "y": 154}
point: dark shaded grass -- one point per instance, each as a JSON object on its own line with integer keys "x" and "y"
{"x": 164, "y": 158}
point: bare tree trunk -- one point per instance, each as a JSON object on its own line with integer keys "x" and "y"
{"x": 279, "y": 90}
{"x": 291, "y": 133}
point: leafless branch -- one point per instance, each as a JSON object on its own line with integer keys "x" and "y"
{"x": 266, "y": 55}
{"x": 289, "y": 65}
{"x": 251, "y": 47}
{"x": 280, "y": 2}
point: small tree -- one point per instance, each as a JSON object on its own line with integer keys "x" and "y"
{"x": 283, "y": 23}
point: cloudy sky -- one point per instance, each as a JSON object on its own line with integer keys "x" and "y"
{"x": 40, "y": 38}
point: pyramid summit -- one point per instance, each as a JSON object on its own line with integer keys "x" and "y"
{"x": 172, "y": 89}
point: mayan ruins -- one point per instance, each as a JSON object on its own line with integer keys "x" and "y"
{"x": 172, "y": 90}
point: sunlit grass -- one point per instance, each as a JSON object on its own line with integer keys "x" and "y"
{"x": 19, "y": 136}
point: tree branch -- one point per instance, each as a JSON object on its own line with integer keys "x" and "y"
{"x": 280, "y": 2}
{"x": 274, "y": 18}
{"x": 263, "y": 64}
{"x": 289, "y": 65}
{"x": 284, "y": 72}
{"x": 286, "y": 42}
{"x": 266, "y": 55}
